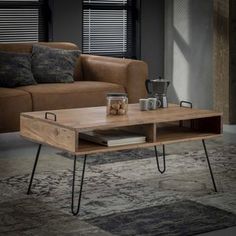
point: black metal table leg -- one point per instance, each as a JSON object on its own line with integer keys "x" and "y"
{"x": 209, "y": 165}
{"x": 164, "y": 159}
{"x": 75, "y": 212}
{"x": 35, "y": 164}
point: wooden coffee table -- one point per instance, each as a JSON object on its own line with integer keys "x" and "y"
{"x": 61, "y": 129}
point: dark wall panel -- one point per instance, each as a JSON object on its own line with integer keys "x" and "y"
{"x": 67, "y": 21}
{"x": 67, "y": 26}
{"x": 152, "y": 36}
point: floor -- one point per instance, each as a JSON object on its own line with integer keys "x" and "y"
{"x": 17, "y": 155}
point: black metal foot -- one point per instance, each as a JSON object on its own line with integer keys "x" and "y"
{"x": 209, "y": 165}
{"x": 164, "y": 159}
{"x": 35, "y": 164}
{"x": 75, "y": 212}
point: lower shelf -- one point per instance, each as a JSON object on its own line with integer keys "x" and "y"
{"x": 177, "y": 134}
{"x": 165, "y": 135}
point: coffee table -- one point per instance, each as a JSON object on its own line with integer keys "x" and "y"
{"x": 61, "y": 129}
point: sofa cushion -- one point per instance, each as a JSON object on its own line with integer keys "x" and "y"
{"x": 15, "y": 69}
{"x": 12, "y": 103}
{"x": 77, "y": 94}
{"x": 52, "y": 65}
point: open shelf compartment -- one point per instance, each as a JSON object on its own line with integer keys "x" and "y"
{"x": 186, "y": 130}
{"x": 163, "y": 133}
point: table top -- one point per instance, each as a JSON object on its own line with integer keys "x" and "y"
{"x": 81, "y": 119}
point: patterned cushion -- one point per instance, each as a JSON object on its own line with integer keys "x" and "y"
{"x": 15, "y": 70}
{"x": 51, "y": 65}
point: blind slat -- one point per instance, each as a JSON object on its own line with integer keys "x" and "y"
{"x": 105, "y": 31}
{"x": 21, "y": 20}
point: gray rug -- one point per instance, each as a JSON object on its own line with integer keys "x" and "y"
{"x": 180, "y": 218}
{"x": 123, "y": 184}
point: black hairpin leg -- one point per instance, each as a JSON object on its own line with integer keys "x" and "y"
{"x": 35, "y": 164}
{"x": 75, "y": 212}
{"x": 164, "y": 159}
{"x": 209, "y": 165}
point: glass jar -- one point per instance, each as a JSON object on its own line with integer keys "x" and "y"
{"x": 117, "y": 104}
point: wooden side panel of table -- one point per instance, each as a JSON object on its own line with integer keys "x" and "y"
{"x": 161, "y": 126}
{"x": 49, "y": 133}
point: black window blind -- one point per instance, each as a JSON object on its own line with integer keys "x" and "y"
{"x": 109, "y": 27}
{"x": 23, "y": 21}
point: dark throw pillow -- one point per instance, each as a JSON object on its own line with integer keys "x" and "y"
{"x": 52, "y": 65}
{"x": 15, "y": 69}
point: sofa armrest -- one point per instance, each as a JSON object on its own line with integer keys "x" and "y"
{"x": 129, "y": 73}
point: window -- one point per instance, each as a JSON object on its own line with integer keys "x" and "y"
{"x": 23, "y": 21}
{"x": 109, "y": 27}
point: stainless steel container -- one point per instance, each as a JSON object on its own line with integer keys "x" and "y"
{"x": 158, "y": 88}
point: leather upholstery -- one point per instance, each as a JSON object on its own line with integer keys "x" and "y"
{"x": 12, "y": 103}
{"x": 129, "y": 73}
{"x": 96, "y": 76}
{"x": 27, "y": 47}
{"x": 71, "y": 95}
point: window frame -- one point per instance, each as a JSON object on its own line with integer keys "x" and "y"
{"x": 131, "y": 8}
{"x": 43, "y": 19}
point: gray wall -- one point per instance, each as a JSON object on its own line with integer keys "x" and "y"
{"x": 188, "y": 51}
{"x": 67, "y": 21}
{"x": 152, "y": 36}
{"x": 67, "y": 26}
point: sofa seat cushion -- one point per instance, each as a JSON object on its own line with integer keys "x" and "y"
{"x": 78, "y": 94}
{"x": 12, "y": 103}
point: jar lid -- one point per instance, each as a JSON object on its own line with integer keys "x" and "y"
{"x": 116, "y": 94}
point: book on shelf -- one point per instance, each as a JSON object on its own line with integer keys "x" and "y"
{"x": 113, "y": 137}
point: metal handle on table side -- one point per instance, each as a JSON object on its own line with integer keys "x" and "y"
{"x": 185, "y": 102}
{"x": 181, "y": 104}
{"x": 52, "y": 114}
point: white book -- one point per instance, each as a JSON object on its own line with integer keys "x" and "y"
{"x": 113, "y": 137}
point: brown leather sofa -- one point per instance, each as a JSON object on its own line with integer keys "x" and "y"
{"x": 94, "y": 77}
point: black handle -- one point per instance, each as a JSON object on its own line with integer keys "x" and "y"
{"x": 186, "y": 102}
{"x": 52, "y": 114}
{"x": 190, "y": 106}
{"x": 148, "y": 88}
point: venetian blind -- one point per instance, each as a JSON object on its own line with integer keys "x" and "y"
{"x": 23, "y": 21}
{"x": 108, "y": 27}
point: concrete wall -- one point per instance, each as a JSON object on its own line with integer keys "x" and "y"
{"x": 188, "y": 51}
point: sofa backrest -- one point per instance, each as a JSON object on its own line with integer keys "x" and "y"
{"x": 27, "y": 48}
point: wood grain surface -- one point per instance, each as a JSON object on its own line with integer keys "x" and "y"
{"x": 83, "y": 119}
{"x": 159, "y": 126}
{"x": 50, "y": 134}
